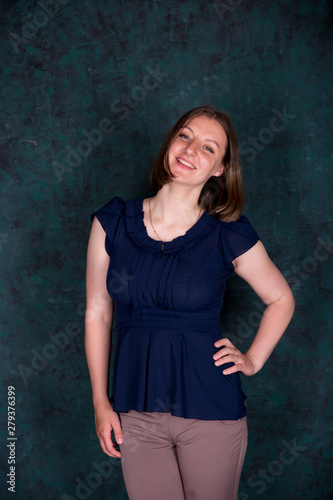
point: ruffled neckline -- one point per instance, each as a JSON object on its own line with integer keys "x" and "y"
{"x": 138, "y": 232}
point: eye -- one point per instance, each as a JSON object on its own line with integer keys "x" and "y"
{"x": 184, "y": 136}
{"x": 209, "y": 149}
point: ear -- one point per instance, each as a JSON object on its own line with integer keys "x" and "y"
{"x": 222, "y": 168}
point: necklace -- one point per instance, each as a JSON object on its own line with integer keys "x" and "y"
{"x": 152, "y": 225}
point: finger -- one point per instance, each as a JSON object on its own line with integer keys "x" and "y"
{"x": 223, "y": 342}
{"x": 229, "y": 359}
{"x": 101, "y": 442}
{"x": 108, "y": 444}
{"x": 224, "y": 352}
{"x": 118, "y": 434}
{"x": 232, "y": 369}
{"x": 111, "y": 451}
{"x": 116, "y": 452}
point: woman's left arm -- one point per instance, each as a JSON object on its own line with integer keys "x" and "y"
{"x": 257, "y": 269}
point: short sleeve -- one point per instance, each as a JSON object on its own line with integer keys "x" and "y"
{"x": 109, "y": 216}
{"x": 237, "y": 238}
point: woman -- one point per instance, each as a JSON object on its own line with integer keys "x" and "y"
{"x": 177, "y": 408}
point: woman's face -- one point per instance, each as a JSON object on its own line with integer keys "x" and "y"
{"x": 197, "y": 151}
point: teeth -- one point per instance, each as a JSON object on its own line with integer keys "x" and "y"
{"x": 185, "y": 163}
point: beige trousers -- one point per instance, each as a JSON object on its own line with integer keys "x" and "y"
{"x": 165, "y": 457}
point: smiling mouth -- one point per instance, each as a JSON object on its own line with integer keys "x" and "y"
{"x": 186, "y": 163}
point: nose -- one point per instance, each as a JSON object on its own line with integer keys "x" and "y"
{"x": 191, "y": 148}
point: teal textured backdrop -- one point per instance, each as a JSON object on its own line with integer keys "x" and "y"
{"x": 88, "y": 91}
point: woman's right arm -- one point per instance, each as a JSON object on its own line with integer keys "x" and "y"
{"x": 98, "y": 321}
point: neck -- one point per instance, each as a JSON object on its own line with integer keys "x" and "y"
{"x": 173, "y": 203}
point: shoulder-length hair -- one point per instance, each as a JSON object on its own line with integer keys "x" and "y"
{"x": 222, "y": 195}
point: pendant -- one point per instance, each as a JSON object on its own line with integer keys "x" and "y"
{"x": 162, "y": 246}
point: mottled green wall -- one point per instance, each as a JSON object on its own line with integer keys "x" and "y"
{"x": 129, "y": 69}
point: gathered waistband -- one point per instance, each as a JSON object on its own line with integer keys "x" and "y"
{"x": 176, "y": 325}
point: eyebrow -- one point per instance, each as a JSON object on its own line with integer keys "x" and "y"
{"x": 210, "y": 140}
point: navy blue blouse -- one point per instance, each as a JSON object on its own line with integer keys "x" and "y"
{"x": 167, "y": 306}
